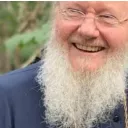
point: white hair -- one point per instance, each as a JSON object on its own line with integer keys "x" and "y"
{"x": 80, "y": 100}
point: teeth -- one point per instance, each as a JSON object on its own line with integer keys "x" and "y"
{"x": 88, "y": 48}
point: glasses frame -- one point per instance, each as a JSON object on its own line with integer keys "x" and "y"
{"x": 69, "y": 14}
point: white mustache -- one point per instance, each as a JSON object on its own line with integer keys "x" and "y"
{"x": 88, "y": 42}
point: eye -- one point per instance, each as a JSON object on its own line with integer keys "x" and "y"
{"x": 107, "y": 16}
{"x": 74, "y": 12}
{"x": 108, "y": 19}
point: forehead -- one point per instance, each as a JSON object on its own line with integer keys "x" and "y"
{"x": 119, "y": 6}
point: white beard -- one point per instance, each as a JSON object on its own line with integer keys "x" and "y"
{"x": 77, "y": 100}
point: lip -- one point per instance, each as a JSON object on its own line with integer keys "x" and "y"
{"x": 101, "y": 48}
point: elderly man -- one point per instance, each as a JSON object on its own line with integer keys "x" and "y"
{"x": 81, "y": 81}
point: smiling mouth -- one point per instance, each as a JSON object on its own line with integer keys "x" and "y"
{"x": 90, "y": 49}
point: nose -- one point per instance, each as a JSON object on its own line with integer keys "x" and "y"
{"x": 88, "y": 28}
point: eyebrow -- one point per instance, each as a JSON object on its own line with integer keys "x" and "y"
{"x": 99, "y": 9}
{"x": 79, "y": 5}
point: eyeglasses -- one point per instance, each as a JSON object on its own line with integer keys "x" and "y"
{"x": 78, "y": 16}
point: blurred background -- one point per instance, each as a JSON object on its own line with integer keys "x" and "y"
{"x": 24, "y": 28}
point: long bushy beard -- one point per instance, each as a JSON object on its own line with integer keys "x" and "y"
{"x": 78, "y": 100}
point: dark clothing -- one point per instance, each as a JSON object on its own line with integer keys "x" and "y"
{"x": 21, "y": 105}
{"x": 20, "y": 99}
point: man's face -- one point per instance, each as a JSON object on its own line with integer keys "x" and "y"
{"x": 93, "y": 37}
{"x": 91, "y": 40}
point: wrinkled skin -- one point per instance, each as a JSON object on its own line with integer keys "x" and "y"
{"x": 92, "y": 33}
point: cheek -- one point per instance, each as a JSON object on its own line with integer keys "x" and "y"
{"x": 64, "y": 29}
{"x": 116, "y": 38}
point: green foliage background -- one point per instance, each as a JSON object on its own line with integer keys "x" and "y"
{"x": 24, "y": 29}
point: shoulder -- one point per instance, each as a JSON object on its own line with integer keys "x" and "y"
{"x": 20, "y": 76}
{"x": 20, "y": 84}
{"x": 21, "y": 71}
{"x": 20, "y": 97}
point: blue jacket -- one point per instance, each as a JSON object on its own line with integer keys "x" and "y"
{"x": 21, "y": 105}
